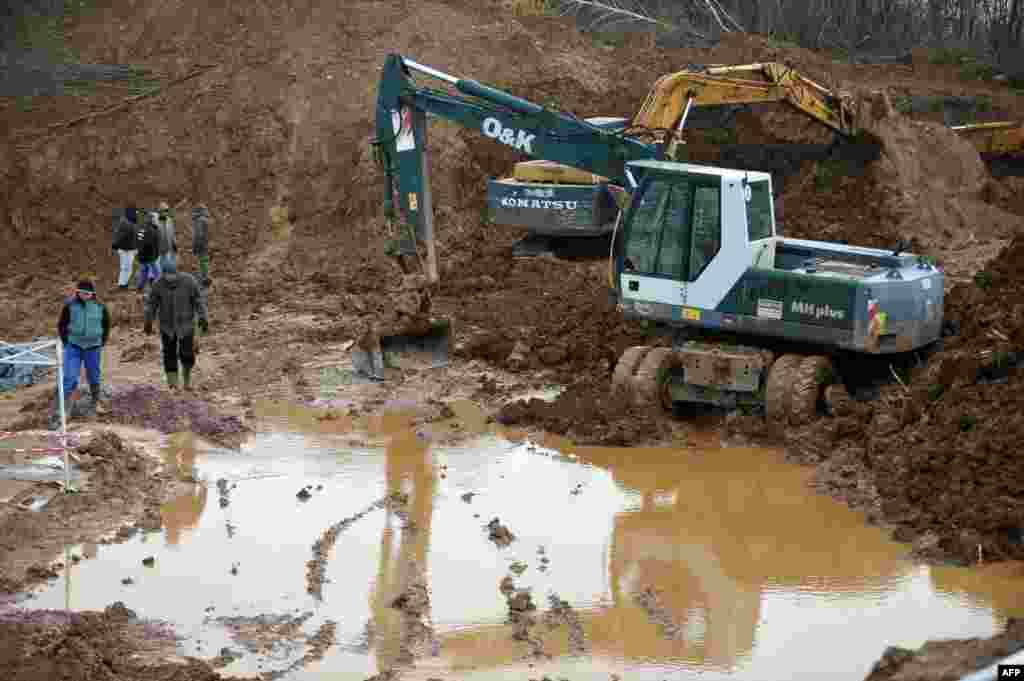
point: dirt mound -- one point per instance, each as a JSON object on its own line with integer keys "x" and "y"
{"x": 931, "y": 182}
{"x": 590, "y": 414}
{"x": 954, "y": 659}
{"x": 113, "y": 645}
{"x": 123, "y": 485}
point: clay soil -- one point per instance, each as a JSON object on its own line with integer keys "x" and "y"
{"x": 264, "y": 112}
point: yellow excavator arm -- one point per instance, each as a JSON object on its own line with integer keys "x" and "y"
{"x": 995, "y": 138}
{"x": 743, "y": 84}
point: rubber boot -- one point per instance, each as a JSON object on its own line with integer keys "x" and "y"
{"x": 186, "y": 379}
{"x": 172, "y": 380}
{"x": 97, "y": 395}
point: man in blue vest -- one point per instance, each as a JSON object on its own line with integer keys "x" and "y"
{"x": 84, "y": 328}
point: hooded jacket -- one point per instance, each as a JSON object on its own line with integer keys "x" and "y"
{"x": 177, "y": 302}
{"x": 168, "y": 242}
{"x": 200, "y": 231}
{"x": 148, "y": 240}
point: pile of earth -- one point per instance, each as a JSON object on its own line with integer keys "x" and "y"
{"x": 937, "y": 455}
{"x": 929, "y": 189}
{"x": 112, "y": 645}
{"x": 589, "y": 413}
{"x": 123, "y": 484}
{"x": 948, "y": 660}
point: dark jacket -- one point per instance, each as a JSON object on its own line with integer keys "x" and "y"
{"x": 177, "y": 302}
{"x": 64, "y": 323}
{"x": 125, "y": 235}
{"x": 200, "y": 231}
{"x": 148, "y": 241}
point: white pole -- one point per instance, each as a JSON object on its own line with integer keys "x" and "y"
{"x": 63, "y": 417}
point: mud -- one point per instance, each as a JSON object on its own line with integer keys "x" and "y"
{"x": 499, "y": 534}
{"x": 113, "y": 645}
{"x": 316, "y": 567}
{"x": 122, "y": 486}
{"x": 948, "y": 660}
{"x": 589, "y": 414}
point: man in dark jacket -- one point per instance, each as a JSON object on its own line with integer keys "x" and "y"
{"x": 178, "y": 301}
{"x": 83, "y": 327}
{"x": 148, "y": 240}
{"x": 125, "y": 228}
{"x": 201, "y": 242}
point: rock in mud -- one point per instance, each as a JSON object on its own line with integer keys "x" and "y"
{"x": 468, "y": 497}
{"x": 303, "y": 494}
{"x": 149, "y": 561}
{"x": 499, "y": 534}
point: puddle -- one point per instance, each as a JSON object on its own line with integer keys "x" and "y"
{"x": 711, "y": 560}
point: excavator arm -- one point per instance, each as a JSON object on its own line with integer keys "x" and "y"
{"x": 758, "y": 83}
{"x": 534, "y": 130}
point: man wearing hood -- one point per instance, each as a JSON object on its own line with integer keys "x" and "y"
{"x": 83, "y": 327}
{"x": 201, "y": 242}
{"x": 177, "y": 300}
{"x": 168, "y": 242}
{"x": 147, "y": 238}
{"x": 124, "y": 243}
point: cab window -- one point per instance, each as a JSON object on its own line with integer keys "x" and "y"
{"x": 759, "y": 211}
{"x": 675, "y": 229}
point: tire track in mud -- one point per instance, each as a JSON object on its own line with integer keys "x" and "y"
{"x": 322, "y": 547}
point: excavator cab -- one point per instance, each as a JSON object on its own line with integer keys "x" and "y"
{"x": 689, "y": 235}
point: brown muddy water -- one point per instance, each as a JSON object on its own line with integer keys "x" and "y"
{"x": 676, "y": 563}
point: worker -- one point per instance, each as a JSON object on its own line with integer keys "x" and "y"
{"x": 124, "y": 243}
{"x": 147, "y": 239}
{"x": 201, "y": 242}
{"x": 178, "y": 301}
{"x": 168, "y": 241}
{"x": 83, "y": 327}
{"x": 407, "y": 314}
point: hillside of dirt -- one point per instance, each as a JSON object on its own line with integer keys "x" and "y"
{"x": 264, "y": 110}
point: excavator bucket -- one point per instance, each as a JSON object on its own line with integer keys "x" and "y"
{"x": 422, "y": 346}
{"x": 428, "y": 345}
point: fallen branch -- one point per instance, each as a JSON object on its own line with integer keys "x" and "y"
{"x": 120, "y": 105}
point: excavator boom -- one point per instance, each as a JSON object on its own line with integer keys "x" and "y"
{"x": 744, "y": 84}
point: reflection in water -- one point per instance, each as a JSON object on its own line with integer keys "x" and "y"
{"x": 181, "y": 515}
{"x": 752, "y": 575}
{"x": 996, "y": 586}
{"x": 711, "y": 535}
{"x": 409, "y": 469}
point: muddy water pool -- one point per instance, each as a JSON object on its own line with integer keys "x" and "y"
{"x": 675, "y": 562}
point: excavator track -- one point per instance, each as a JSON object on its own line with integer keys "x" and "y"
{"x": 650, "y": 382}
{"x": 809, "y": 380}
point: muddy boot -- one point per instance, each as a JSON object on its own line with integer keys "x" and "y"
{"x": 186, "y": 379}
{"x": 97, "y": 406}
{"x": 172, "y": 380}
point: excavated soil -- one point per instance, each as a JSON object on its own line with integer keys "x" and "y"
{"x": 122, "y": 485}
{"x": 265, "y": 110}
{"x": 947, "y": 660}
{"x": 113, "y": 645}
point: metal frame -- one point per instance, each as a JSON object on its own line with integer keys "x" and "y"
{"x": 32, "y": 354}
